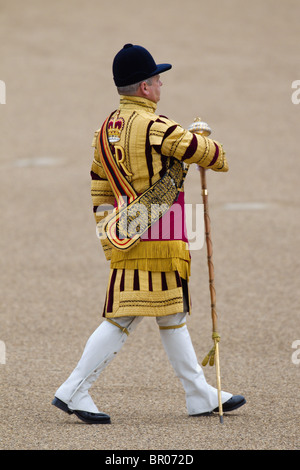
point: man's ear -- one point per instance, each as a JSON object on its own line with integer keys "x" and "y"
{"x": 144, "y": 89}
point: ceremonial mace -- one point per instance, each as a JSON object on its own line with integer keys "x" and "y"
{"x": 200, "y": 127}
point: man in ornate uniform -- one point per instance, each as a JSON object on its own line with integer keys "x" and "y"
{"x": 141, "y": 157}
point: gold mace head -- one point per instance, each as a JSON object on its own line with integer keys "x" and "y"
{"x": 200, "y": 127}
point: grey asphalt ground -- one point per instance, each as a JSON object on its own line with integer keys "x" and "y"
{"x": 234, "y": 63}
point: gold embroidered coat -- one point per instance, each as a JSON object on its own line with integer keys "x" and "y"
{"x": 151, "y": 279}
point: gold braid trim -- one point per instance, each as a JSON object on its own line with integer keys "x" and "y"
{"x": 172, "y": 327}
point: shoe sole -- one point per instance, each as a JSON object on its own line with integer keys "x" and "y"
{"x": 91, "y": 421}
{"x": 208, "y": 413}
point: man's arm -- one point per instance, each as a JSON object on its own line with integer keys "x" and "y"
{"x": 174, "y": 141}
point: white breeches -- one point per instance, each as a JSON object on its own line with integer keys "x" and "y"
{"x": 108, "y": 339}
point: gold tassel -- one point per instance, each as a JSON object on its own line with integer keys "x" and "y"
{"x": 210, "y": 357}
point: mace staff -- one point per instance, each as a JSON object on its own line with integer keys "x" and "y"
{"x": 213, "y": 357}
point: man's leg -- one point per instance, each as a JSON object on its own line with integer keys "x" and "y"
{"x": 200, "y": 396}
{"x": 100, "y": 349}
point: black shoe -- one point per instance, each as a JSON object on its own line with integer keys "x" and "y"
{"x": 232, "y": 404}
{"x": 86, "y": 416}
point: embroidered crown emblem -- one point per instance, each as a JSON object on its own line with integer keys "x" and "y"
{"x": 114, "y": 129}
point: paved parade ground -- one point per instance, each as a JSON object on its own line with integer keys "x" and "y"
{"x": 235, "y": 64}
